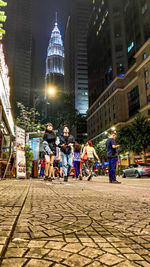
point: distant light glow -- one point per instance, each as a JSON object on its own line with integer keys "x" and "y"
{"x": 121, "y": 75}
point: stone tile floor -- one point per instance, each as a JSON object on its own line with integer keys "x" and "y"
{"x": 78, "y": 223}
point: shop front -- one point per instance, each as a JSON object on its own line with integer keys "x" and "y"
{"x": 6, "y": 119}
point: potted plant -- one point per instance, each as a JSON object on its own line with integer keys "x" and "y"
{"x": 29, "y": 158}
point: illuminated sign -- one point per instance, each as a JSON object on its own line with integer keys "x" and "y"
{"x": 130, "y": 47}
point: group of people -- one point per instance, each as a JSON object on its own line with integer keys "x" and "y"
{"x": 64, "y": 152}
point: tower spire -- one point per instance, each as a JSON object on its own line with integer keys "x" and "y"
{"x": 56, "y": 19}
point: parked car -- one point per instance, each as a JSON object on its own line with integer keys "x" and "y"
{"x": 137, "y": 170}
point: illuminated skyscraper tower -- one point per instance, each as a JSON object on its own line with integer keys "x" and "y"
{"x": 55, "y": 60}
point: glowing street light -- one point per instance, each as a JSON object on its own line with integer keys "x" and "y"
{"x": 113, "y": 128}
{"x": 51, "y": 91}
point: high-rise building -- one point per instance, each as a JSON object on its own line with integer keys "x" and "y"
{"x": 137, "y": 26}
{"x": 117, "y": 56}
{"x": 55, "y": 61}
{"x": 76, "y": 64}
{"x": 18, "y": 46}
{"x": 54, "y": 78}
{"x": 106, "y": 46}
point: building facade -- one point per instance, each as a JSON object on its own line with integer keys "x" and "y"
{"x": 76, "y": 64}
{"x": 123, "y": 98}
{"x": 18, "y": 46}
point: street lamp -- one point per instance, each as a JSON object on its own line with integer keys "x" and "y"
{"x": 51, "y": 91}
{"x": 113, "y": 128}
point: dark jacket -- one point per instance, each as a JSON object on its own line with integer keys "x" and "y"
{"x": 50, "y": 138}
{"x": 66, "y": 140}
{"x": 111, "y": 152}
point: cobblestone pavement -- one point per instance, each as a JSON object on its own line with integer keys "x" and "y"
{"x": 77, "y": 224}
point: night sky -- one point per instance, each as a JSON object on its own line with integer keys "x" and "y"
{"x": 43, "y": 18}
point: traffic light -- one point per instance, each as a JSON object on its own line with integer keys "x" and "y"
{"x": 2, "y": 17}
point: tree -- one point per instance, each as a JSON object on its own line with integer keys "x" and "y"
{"x": 140, "y": 129}
{"x": 136, "y": 136}
{"x": 100, "y": 148}
{"x": 2, "y": 18}
{"x": 125, "y": 139}
{"x": 28, "y": 119}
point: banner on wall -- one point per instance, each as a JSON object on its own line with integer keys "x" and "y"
{"x": 20, "y": 153}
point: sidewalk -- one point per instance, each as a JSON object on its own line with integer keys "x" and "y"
{"x": 78, "y": 223}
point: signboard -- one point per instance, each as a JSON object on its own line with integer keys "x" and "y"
{"x": 20, "y": 153}
{"x": 34, "y": 144}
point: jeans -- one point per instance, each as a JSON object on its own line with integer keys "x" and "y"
{"x": 66, "y": 163}
{"x": 77, "y": 168}
{"x": 112, "y": 168}
{"x": 42, "y": 171}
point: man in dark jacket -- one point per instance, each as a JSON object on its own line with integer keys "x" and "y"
{"x": 66, "y": 145}
{"x": 113, "y": 157}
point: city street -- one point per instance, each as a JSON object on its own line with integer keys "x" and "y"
{"x": 79, "y": 223}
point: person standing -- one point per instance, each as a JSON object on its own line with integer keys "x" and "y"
{"x": 42, "y": 168}
{"x": 112, "y": 155}
{"x": 49, "y": 146}
{"x": 91, "y": 153}
{"x": 66, "y": 145}
{"x": 77, "y": 160}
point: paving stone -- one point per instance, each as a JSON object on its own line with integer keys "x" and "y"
{"x": 15, "y": 262}
{"x": 95, "y": 264}
{"x": 36, "y": 244}
{"x": 110, "y": 259}
{"x": 58, "y": 255}
{"x": 36, "y": 252}
{"x": 17, "y": 252}
{"x": 111, "y": 250}
{"x": 55, "y": 245}
{"x": 126, "y": 264}
{"x": 91, "y": 252}
{"x": 77, "y": 260}
{"x": 3, "y": 240}
{"x": 133, "y": 257}
{"x": 39, "y": 263}
{"x": 126, "y": 250}
{"x": 143, "y": 263}
{"x": 73, "y": 247}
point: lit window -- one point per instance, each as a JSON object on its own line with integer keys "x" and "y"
{"x": 145, "y": 56}
{"x": 147, "y": 85}
{"x": 144, "y": 8}
{"x": 146, "y": 73}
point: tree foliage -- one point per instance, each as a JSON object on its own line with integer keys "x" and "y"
{"x": 136, "y": 136}
{"x": 29, "y": 157}
{"x": 29, "y": 119}
{"x": 100, "y": 148}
